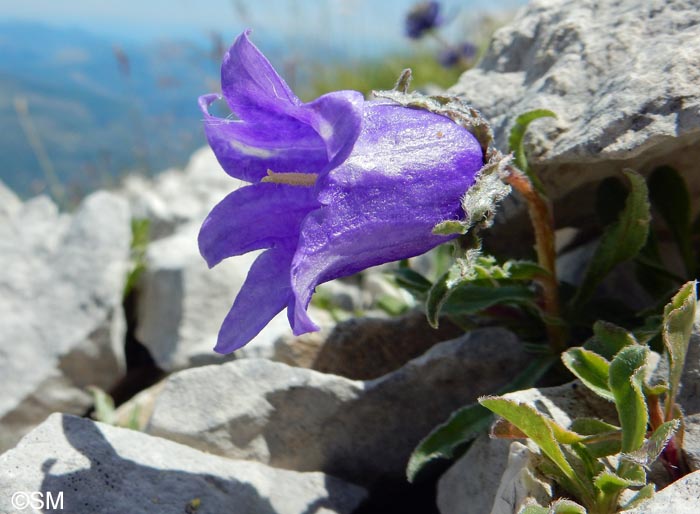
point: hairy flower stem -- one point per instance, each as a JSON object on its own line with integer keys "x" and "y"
{"x": 540, "y": 211}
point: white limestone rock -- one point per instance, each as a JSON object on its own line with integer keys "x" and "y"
{"x": 61, "y": 283}
{"x": 100, "y": 468}
{"x": 622, "y": 77}
{"x": 304, "y": 420}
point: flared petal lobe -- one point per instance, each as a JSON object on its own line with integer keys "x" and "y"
{"x": 247, "y": 150}
{"x": 265, "y": 292}
{"x": 275, "y": 130}
{"x": 255, "y": 217}
{"x": 252, "y": 88}
{"x": 407, "y": 172}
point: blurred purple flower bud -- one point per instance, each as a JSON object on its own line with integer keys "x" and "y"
{"x": 422, "y": 18}
{"x": 452, "y": 56}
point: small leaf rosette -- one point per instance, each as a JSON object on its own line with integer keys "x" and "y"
{"x": 337, "y": 185}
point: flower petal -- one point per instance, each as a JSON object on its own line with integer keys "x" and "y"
{"x": 248, "y": 150}
{"x": 407, "y": 172}
{"x": 265, "y": 292}
{"x": 250, "y": 84}
{"x": 254, "y": 217}
{"x": 337, "y": 118}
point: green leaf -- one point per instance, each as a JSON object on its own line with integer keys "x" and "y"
{"x": 633, "y": 472}
{"x": 140, "y": 234}
{"x": 467, "y": 298}
{"x": 677, "y": 328}
{"x": 524, "y": 270}
{"x": 592, "y": 426}
{"x": 645, "y": 493}
{"x": 462, "y": 426}
{"x": 627, "y": 372}
{"x": 468, "y": 422}
{"x": 609, "y": 339}
{"x": 412, "y": 281}
{"x": 566, "y": 507}
{"x": 620, "y": 241}
{"x": 517, "y": 135}
{"x": 470, "y": 299}
{"x": 670, "y": 197}
{"x": 591, "y": 369}
{"x": 610, "y": 199}
{"x": 652, "y": 447}
{"x": 557, "y": 507}
{"x": 437, "y": 296}
{"x": 610, "y": 483}
{"x": 534, "y": 509}
{"x": 533, "y": 424}
{"x": 104, "y": 406}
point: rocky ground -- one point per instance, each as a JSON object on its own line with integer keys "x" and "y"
{"x": 323, "y": 423}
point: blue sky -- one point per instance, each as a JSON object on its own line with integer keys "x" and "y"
{"x": 362, "y": 25}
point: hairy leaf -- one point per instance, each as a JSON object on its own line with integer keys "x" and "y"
{"x": 642, "y": 495}
{"x": 610, "y": 483}
{"x": 652, "y": 447}
{"x": 627, "y": 372}
{"x": 412, "y": 281}
{"x": 558, "y": 507}
{"x": 462, "y": 426}
{"x": 622, "y": 240}
{"x": 591, "y": 369}
{"x": 608, "y": 339}
{"x": 677, "y": 328}
{"x": 468, "y": 422}
{"x": 535, "y": 425}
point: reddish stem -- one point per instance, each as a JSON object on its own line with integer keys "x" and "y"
{"x": 540, "y": 212}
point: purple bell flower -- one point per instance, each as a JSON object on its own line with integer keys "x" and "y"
{"x": 422, "y": 18}
{"x": 337, "y": 185}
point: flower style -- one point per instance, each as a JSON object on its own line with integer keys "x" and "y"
{"x": 338, "y": 185}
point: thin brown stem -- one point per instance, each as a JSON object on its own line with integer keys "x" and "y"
{"x": 540, "y": 212}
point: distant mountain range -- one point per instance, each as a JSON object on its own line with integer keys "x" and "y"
{"x": 89, "y": 109}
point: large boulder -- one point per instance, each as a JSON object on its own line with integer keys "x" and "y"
{"x": 100, "y": 468}
{"x": 304, "y": 420}
{"x": 61, "y": 282}
{"x": 622, "y": 77}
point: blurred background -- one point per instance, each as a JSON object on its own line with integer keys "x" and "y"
{"x": 91, "y": 91}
